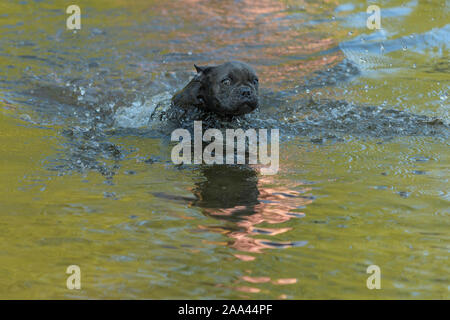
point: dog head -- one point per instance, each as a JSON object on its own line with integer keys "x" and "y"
{"x": 227, "y": 89}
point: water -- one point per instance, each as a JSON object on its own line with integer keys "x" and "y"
{"x": 86, "y": 176}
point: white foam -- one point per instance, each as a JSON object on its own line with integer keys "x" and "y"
{"x": 139, "y": 114}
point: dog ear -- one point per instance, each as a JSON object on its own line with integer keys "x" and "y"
{"x": 203, "y": 70}
{"x": 191, "y": 95}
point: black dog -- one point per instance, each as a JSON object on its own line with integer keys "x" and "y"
{"x": 228, "y": 89}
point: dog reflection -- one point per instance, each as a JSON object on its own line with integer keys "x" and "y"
{"x": 237, "y": 194}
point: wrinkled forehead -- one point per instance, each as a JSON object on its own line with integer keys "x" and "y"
{"x": 237, "y": 71}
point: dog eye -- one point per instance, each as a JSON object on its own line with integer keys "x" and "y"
{"x": 226, "y": 81}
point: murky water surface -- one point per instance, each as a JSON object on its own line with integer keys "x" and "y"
{"x": 86, "y": 177}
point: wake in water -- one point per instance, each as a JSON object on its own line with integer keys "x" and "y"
{"x": 319, "y": 119}
{"x": 307, "y": 116}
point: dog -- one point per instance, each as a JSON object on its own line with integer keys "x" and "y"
{"x": 229, "y": 89}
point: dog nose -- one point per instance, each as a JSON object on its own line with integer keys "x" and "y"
{"x": 245, "y": 92}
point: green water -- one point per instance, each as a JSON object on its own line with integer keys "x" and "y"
{"x": 151, "y": 230}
